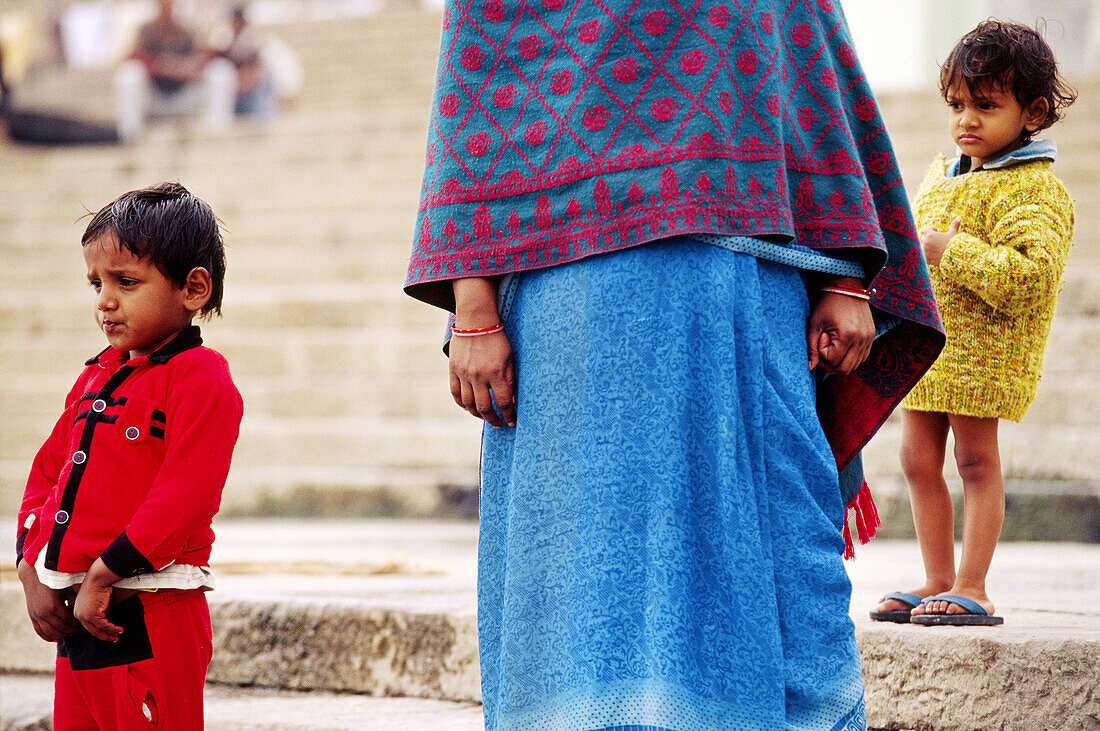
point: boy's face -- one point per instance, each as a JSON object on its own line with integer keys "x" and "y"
{"x": 989, "y": 124}
{"x": 136, "y": 306}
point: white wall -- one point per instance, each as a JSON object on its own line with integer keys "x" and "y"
{"x": 902, "y": 42}
{"x": 890, "y": 38}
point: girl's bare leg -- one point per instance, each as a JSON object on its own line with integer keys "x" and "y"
{"x": 979, "y": 463}
{"x": 923, "y": 448}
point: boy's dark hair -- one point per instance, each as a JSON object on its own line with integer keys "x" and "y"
{"x": 170, "y": 226}
{"x": 1009, "y": 56}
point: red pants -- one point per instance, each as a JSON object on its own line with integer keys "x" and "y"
{"x": 152, "y": 678}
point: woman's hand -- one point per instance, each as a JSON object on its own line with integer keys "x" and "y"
{"x": 50, "y": 610}
{"x": 841, "y": 332}
{"x": 481, "y": 367}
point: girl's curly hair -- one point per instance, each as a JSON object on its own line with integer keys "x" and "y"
{"x": 1009, "y": 56}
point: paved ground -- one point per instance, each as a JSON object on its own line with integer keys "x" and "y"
{"x": 422, "y": 565}
{"x": 396, "y": 564}
{"x": 25, "y": 703}
{"x": 1043, "y": 590}
{"x": 432, "y": 566}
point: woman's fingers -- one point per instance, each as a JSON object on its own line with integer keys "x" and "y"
{"x": 841, "y": 355}
{"x": 850, "y": 357}
{"x": 504, "y": 391}
{"x": 469, "y": 399}
{"x": 456, "y": 386}
{"x": 815, "y": 340}
{"x": 483, "y": 401}
{"x": 482, "y": 369}
{"x": 850, "y": 362}
{"x": 844, "y": 330}
{"x": 477, "y": 398}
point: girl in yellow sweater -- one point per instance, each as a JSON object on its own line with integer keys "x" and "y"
{"x": 996, "y": 227}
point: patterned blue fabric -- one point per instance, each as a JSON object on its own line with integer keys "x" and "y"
{"x": 793, "y": 255}
{"x": 660, "y": 534}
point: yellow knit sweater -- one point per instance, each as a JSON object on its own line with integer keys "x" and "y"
{"x": 996, "y": 285}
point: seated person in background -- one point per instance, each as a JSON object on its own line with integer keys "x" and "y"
{"x": 255, "y": 88}
{"x": 5, "y": 97}
{"x": 268, "y": 72}
{"x": 171, "y": 73}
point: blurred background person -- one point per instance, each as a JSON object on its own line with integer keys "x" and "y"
{"x": 45, "y": 126}
{"x": 268, "y": 72}
{"x": 171, "y": 73}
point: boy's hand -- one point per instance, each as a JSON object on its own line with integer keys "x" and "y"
{"x": 934, "y": 242}
{"x": 49, "y": 609}
{"x": 92, "y": 601}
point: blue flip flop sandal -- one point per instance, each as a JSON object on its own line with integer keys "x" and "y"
{"x": 899, "y": 616}
{"x": 975, "y": 616}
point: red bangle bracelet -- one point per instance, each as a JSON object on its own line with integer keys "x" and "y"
{"x": 847, "y": 291}
{"x": 848, "y": 287}
{"x": 477, "y": 331}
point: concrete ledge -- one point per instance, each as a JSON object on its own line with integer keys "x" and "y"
{"x": 298, "y": 644}
{"x": 304, "y": 645}
{"x": 944, "y": 679}
{"x": 939, "y": 679}
{"x": 397, "y": 618}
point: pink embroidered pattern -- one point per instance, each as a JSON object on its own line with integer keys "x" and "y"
{"x": 566, "y": 128}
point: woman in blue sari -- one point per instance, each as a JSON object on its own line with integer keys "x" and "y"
{"x": 669, "y": 236}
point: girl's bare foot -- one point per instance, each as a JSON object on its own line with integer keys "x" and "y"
{"x": 945, "y": 607}
{"x": 896, "y": 605}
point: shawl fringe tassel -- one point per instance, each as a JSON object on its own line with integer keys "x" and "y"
{"x": 867, "y": 520}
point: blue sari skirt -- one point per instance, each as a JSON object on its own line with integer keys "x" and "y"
{"x": 660, "y": 533}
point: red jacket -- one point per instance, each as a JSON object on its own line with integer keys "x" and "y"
{"x": 134, "y": 469}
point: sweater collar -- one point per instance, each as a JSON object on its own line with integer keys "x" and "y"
{"x": 1034, "y": 151}
{"x": 189, "y": 337}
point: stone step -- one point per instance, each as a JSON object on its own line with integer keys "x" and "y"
{"x": 392, "y": 112}
{"x": 388, "y": 608}
{"x": 369, "y": 155}
{"x": 353, "y": 142}
{"x": 228, "y": 165}
{"x": 360, "y": 402}
{"x": 378, "y": 301}
{"x": 415, "y": 437}
{"x": 365, "y": 247}
{"x": 366, "y": 313}
{"x": 316, "y": 490}
{"x": 331, "y": 87}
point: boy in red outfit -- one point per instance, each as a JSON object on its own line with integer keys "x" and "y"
{"x": 114, "y": 538}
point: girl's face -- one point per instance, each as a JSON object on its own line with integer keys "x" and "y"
{"x": 991, "y": 124}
